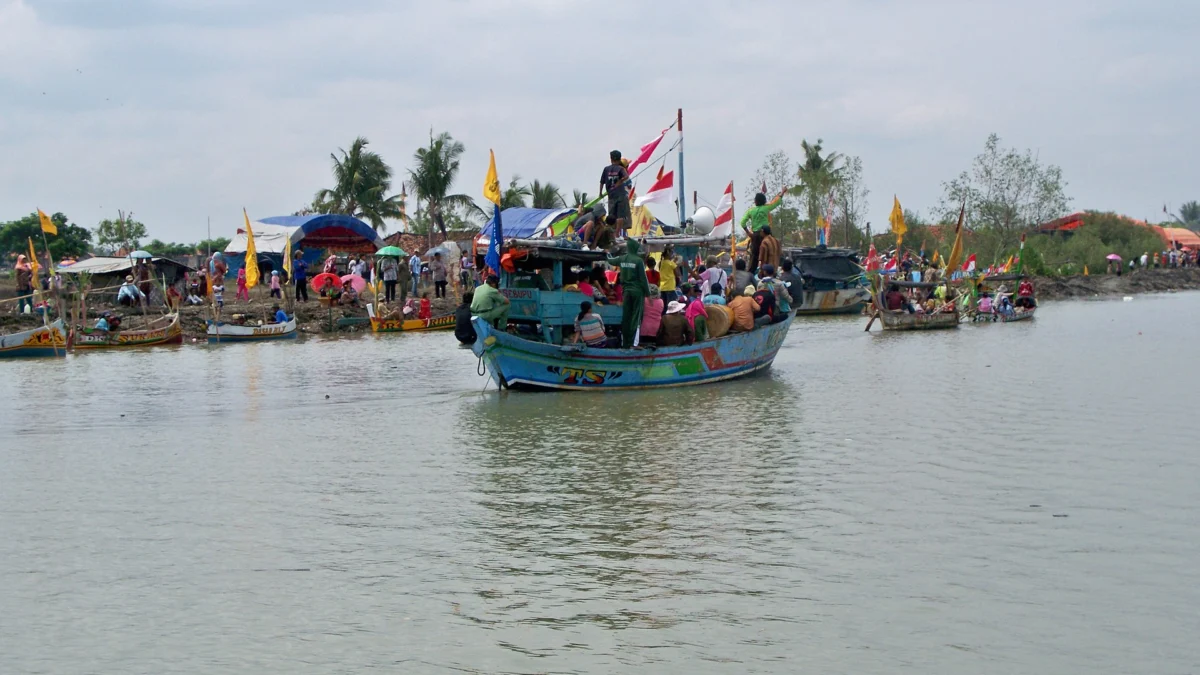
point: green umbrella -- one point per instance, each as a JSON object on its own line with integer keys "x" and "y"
{"x": 391, "y": 250}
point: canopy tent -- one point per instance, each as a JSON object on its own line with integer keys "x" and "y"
{"x": 1180, "y": 236}
{"x": 267, "y": 238}
{"x": 323, "y": 231}
{"x": 101, "y": 265}
{"x": 523, "y": 223}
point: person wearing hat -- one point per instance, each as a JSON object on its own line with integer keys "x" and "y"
{"x": 744, "y": 308}
{"x": 129, "y": 294}
{"x": 674, "y": 329}
{"x": 276, "y": 288}
{"x": 613, "y": 179}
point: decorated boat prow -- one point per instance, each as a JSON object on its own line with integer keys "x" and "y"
{"x": 163, "y": 331}
{"x": 517, "y": 363}
{"x": 42, "y": 341}
{"x": 221, "y": 332}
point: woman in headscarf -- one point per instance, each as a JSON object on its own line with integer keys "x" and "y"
{"x": 330, "y": 265}
{"x": 24, "y": 284}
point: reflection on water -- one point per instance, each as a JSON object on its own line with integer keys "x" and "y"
{"x": 993, "y": 499}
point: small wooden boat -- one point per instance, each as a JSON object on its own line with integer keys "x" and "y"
{"x": 444, "y": 322}
{"x": 221, "y": 332}
{"x": 894, "y": 320}
{"x": 163, "y": 331}
{"x": 1020, "y": 315}
{"x": 516, "y": 363}
{"x": 41, "y": 341}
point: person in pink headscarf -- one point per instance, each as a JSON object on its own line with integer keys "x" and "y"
{"x": 243, "y": 291}
{"x": 330, "y": 265}
{"x": 696, "y": 315}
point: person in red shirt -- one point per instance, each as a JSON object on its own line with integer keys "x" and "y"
{"x": 652, "y": 275}
{"x": 895, "y": 300}
{"x": 426, "y": 310}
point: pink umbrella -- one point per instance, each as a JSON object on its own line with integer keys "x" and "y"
{"x": 356, "y": 282}
{"x": 1113, "y": 256}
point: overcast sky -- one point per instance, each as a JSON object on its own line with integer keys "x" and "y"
{"x": 183, "y": 109}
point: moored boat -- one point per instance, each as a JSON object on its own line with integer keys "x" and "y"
{"x": 220, "y": 332}
{"x": 833, "y": 281}
{"x": 37, "y": 342}
{"x": 378, "y": 325}
{"x": 901, "y": 320}
{"x": 163, "y": 331}
{"x": 517, "y": 363}
{"x": 1021, "y": 314}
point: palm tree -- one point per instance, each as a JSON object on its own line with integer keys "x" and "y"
{"x": 361, "y": 183}
{"x": 514, "y": 196}
{"x": 1189, "y": 214}
{"x": 818, "y": 175}
{"x": 546, "y": 195}
{"x": 578, "y": 199}
{"x": 433, "y": 178}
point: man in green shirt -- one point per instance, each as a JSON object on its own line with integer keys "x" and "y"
{"x": 758, "y": 218}
{"x": 490, "y": 304}
{"x": 634, "y": 288}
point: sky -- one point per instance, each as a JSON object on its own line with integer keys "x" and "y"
{"x": 183, "y": 111}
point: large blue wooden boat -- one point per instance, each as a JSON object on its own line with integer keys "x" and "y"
{"x": 48, "y": 340}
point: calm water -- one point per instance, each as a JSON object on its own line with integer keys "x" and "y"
{"x": 339, "y": 506}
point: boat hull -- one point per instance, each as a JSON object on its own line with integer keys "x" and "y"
{"x": 444, "y": 322}
{"x": 172, "y": 333}
{"x": 1025, "y": 315}
{"x": 516, "y": 363}
{"x": 224, "y": 332}
{"x": 35, "y": 343}
{"x": 837, "y": 301}
{"x": 906, "y": 321}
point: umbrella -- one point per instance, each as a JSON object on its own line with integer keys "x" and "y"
{"x": 141, "y": 254}
{"x": 1113, "y": 256}
{"x": 438, "y": 249}
{"x": 318, "y": 282}
{"x": 356, "y": 282}
{"x": 391, "y": 250}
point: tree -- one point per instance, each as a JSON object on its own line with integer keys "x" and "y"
{"x": 71, "y": 240}
{"x": 514, "y": 196}
{"x": 819, "y": 176}
{"x": 1007, "y": 191}
{"x": 578, "y": 198}
{"x": 546, "y": 196}
{"x": 433, "y": 178}
{"x": 1189, "y": 215}
{"x": 122, "y": 233}
{"x": 214, "y": 244}
{"x": 166, "y": 250}
{"x": 850, "y": 204}
{"x": 362, "y": 181}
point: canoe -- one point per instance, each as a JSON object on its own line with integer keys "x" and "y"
{"x": 1021, "y": 315}
{"x": 378, "y": 325}
{"x": 905, "y": 321}
{"x": 221, "y": 332}
{"x": 516, "y": 363}
{"x": 36, "y": 342}
{"x": 163, "y": 331}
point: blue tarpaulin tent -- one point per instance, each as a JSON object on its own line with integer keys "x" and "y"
{"x": 523, "y": 223}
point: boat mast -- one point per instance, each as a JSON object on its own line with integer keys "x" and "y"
{"x": 682, "y": 193}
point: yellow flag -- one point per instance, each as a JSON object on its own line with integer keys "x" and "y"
{"x": 955, "y": 258}
{"x": 935, "y": 256}
{"x": 491, "y": 182}
{"x": 48, "y": 225}
{"x": 896, "y": 218}
{"x": 33, "y": 263}
{"x": 251, "y": 255}
{"x": 287, "y": 258}
{"x": 1085, "y": 270}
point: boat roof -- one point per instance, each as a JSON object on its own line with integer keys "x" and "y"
{"x": 551, "y": 249}
{"x": 821, "y": 252}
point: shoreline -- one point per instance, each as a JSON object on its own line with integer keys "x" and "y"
{"x": 1110, "y": 285}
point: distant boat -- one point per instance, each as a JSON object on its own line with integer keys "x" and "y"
{"x": 901, "y": 320}
{"x": 37, "y": 342}
{"x": 444, "y": 322}
{"x": 220, "y": 332}
{"x": 833, "y": 281}
{"x": 163, "y": 331}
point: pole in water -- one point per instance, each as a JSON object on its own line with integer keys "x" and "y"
{"x": 682, "y": 192}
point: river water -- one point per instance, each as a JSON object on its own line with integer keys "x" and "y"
{"x": 998, "y": 499}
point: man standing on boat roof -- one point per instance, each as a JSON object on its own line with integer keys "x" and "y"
{"x": 613, "y": 180}
{"x": 632, "y": 274}
{"x": 757, "y": 217}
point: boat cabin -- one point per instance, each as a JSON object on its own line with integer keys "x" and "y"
{"x": 534, "y": 280}
{"x": 826, "y": 269}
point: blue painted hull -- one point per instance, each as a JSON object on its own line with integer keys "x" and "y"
{"x": 35, "y": 343}
{"x": 514, "y": 362}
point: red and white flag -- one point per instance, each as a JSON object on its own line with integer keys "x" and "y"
{"x": 660, "y": 192}
{"x": 647, "y": 152}
{"x": 969, "y": 265}
{"x": 872, "y": 259}
{"x": 891, "y": 266}
{"x": 724, "y": 222}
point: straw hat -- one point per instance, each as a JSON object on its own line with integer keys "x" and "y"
{"x": 749, "y": 290}
{"x": 128, "y": 277}
{"x": 675, "y": 307}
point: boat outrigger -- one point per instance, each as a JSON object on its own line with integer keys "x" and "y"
{"x": 833, "y": 281}
{"x": 49, "y": 340}
{"x": 537, "y": 356}
{"x": 163, "y": 331}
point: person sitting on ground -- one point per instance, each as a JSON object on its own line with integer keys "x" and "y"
{"x": 674, "y": 329}
{"x": 490, "y": 304}
{"x": 715, "y": 295}
{"x": 463, "y": 330}
{"x": 349, "y": 296}
{"x": 696, "y": 315}
{"x": 329, "y": 290}
{"x": 129, "y": 294}
{"x": 894, "y": 300}
{"x": 425, "y": 312}
{"x": 743, "y": 307}
{"x": 652, "y": 312}
{"x": 280, "y": 315}
{"x": 767, "y": 307}
{"x": 589, "y": 327}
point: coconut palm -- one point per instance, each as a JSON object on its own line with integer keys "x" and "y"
{"x": 546, "y": 195}
{"x": 514, "y": 196}
{"x": 362, "y": 181}
{"x": 578, "y": 198}
{"x": 1189, "y": 214}
{"x": 818, "y": 175}
{"x": 433, "y": 178}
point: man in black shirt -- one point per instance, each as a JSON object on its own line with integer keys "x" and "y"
{"x": 463, "y": 330}
{"x": 612, "y": 180}
{"x": 765, "y": 297}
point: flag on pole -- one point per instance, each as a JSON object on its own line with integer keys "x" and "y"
{"x": 969, "y": 266}
{"x": 647, "y": 152}
{"x": 33, "y": 263}
{"x": 48, "y": 225}
{"x": 956, "y": 251}
{"x": 287, "y": 258}
{"x": 896, "y": 218}
{"x": 1021, "y": 255}
{"x": 491, "y": 192}
{"x": 251, "y": 255}
{"x": 822, "y": 231}
{"x": 724, "y": 214}
{"x": 892, "y": 265}
{"x": 660, "y": 193}
{"x": 935, "y": 256}
{"x": 872, "y": 259}
{"x": 661, "y": 169}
